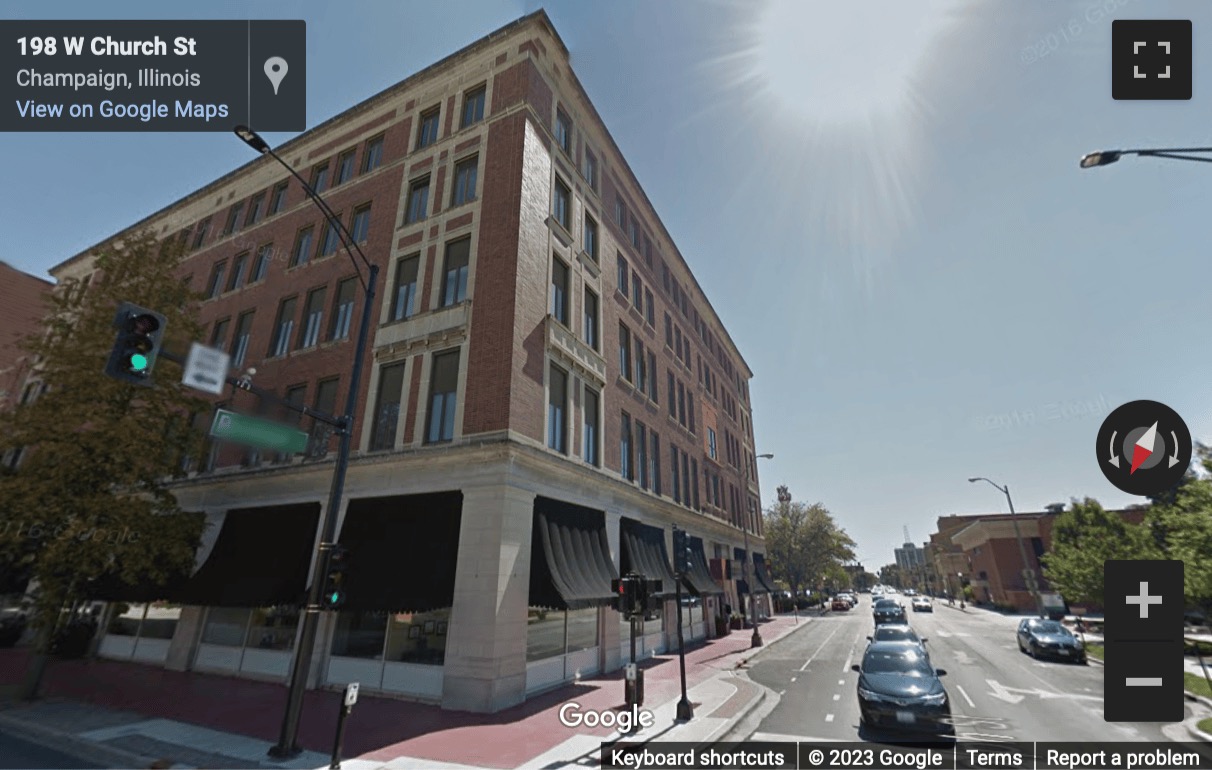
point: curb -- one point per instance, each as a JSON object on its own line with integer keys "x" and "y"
{"x": 1192, "y": 726}
{"x": 80, "y": 748}
{"x": 1198, "y": 699}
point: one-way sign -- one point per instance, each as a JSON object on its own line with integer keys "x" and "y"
{"x": 206, "y": 369}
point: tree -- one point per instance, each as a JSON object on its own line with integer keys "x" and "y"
{"x": 90, "y": 501}
{"x": 1182, "y": 530}
{"x": 1083, "y": 537}
{"x": 804, "y": 543}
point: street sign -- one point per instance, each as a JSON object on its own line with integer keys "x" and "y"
{"x": 206, "y": 369}
{"x": 351, "y": 693}
{"x": 254, "y": 431}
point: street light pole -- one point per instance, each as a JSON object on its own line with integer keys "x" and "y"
{"x": 756, "y": 639}
{"x": 287, "y": 745}
{"x": 1107, "y": 157}
{"x": 1022, "y": 549}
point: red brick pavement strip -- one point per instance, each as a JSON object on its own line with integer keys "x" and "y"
{"x": 379, "y": 728}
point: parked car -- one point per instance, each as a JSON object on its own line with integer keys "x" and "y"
{"x": 1048, "y": 638}
{"x": 840, "y": 605}
{"x": 888, "y": 611}
{"x": 910, "y": 592}
{"x": 899, "y": 688}
{"x": 922, "y": 604}
{"x": 899, "y": 632}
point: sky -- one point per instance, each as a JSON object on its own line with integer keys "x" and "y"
{"x": 881, "y": 200}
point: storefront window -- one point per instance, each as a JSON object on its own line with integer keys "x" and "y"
{"x": 544, "y": 633}
{"x": 161, "y": 622}
{"x": 418, "y": 637}
{"x": 225, "y": 626}
{"x": 690, "y": 612}
{"x": 125, "y": 620}
{"x": 360, "y": 635}
{"x": 582, "y": 629}
{"x": 273, "y": 628}
{"x": 652, "y": 622}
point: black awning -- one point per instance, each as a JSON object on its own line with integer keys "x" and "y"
{"x": 261, "y": 559}
{"x": 742, "y": 579}
{"x": 760, "y": 576}
{"x": 643, "y": 551}
{"x": 699, "y": 580}
{"x": 402, "y": 551}
{"x": 570, "y": 563}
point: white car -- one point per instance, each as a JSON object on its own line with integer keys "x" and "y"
{"x": 922, "y": 604}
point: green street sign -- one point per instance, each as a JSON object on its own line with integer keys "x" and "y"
{"x": 254, "y": 431}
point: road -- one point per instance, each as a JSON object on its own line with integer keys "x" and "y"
{"x": 16, "y": 752}
{"x": 997, "y": 693}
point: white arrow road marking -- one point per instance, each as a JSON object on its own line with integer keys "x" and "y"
{"x": 961, "y": 692}
{"x": 1010, "y": 694}
{"x": 1002, "y": 693}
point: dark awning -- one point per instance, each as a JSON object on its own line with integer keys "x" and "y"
{"x": 166, "y": 582}
{"x": 699, "y": 581}
{"x": 570, "y": 563}
{"x": 761, "y": 577}
{"x": 643, "y": 551}
{"x": 402, "y": 551}
{"x": 742, "y": 578}
{"x": 261, "y": 559}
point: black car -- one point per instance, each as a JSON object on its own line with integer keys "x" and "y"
{"x": 903, "y": 634}
{"x": 898, "y": 688}
{"x": 1049, "y": 639}
{"x": 888, "y": 611}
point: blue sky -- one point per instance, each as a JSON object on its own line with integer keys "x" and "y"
{"x": 884, "y": 207}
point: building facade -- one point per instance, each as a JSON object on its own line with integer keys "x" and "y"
{"x": 22, "y": 307}
{"x": 548, "y": 392}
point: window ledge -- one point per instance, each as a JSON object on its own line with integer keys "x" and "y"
{"x": 559, "y": 231}
{"x": 633, "y": 311}
{"x": 590, "y": 263}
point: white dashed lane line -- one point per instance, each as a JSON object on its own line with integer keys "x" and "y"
{"x": 961, "y": 692}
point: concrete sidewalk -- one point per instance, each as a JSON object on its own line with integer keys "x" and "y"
{"x": 131, "y": 715}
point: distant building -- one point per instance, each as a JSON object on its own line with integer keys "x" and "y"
{"x": 910, "y": 557}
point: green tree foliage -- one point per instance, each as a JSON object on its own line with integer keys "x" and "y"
{"x": 1183, "y": 530}
{"x": 1083, "y": 537}
{"x": 804, "y": 544}
{"x": 90, "y": 499}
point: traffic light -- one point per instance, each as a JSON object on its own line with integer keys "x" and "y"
{"x": 334, "y": 578}
{"x": 618, "y": 588}
{"x": 682, "y": 555}
{"x": 137, "y": 344}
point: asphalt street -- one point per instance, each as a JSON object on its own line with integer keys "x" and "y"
{"x": 18, "y": 753}
{"x": 997, "y": 693}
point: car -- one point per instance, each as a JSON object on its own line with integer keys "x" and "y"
{"x": 910, "y": 592}
{"x": 888, "y": 611}
{"x": 850, "y": 598}
{"x": 840, "y": 605}
{"x": 1041, "y": 638}
{"x": 899, "y": 688}
{"x": 899, "y": 632}
{"x": 922, "y": 604}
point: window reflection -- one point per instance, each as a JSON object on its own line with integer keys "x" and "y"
{"x": 418, "y": 637}
{"x": 360, "y": 635}
{"x": 273, "y": 628}
{"x": 225, "y": 626}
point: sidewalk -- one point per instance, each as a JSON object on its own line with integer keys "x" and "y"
{"x": 130, "y": 715}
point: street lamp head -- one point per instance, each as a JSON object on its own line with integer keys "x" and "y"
{"x": 973, "y": 480}
{"x": 1101, "y": 158}
{"x": 768, "y": 456}
{"x": 249, "y": 137}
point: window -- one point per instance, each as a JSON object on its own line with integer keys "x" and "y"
{"x": 681, "y": 404}
{"x": 623, "y": 272}
{"x": 673, "y": 402}
{"x": 239, "y": 343}
{"x": 216, "y": 279}
{"x": 637, "y": 291}
{"x": 345, "y": 167}
{"x": 677, "y": 485}
{"x": 561, "y": 206}
{"x": 473, "y": 107}
{"x": 427, "y": 133}
{"x": 264, "y": 255}
{"x": 694, "y": 482}
{"x": 330, "y": 240}
{"x": 200, "y": 235}
{"x": 711, "y": 444}
{"x": 278, "y": 203}
{"x": 652, "y": 376}
{"x": 387, "y": 412}
{"x": 620, "y": 211}
{"x": 444, "y": 384}
{"x": 591, "y": 319}
{"x": 559, "y": 290}
{"x": 405, "y": 303}
{"x": 283, "y": 327}
{"x": 313, "y": 316}
{"x": 591, "y": 238}
{"x": 641, "y": 366}
{"x": 302, "y": 250}
{"x": 624, "y": 353}
{"x": 654, "y": 457}
{"x": 648, "y": 252}
{"x": 557, "y": 410}
{"x": 343, "y": 309}
{"x": 255, "y": 209}
{"x": 634, "y": 228}
{"x": 563, "y": 131}
{"x": 591, "y": 418}
{"x": 360, "y": 226}
{"x": 641, "y": 453}
{"x": 418, "y": 201}
{"x": 237, "y": 271}
{"x": 649, "y": 308}
{"x": 465, "y": 181}
{"x": 326, "y": 403}
{"x": 625, "y": 449}
{"x": 233, "y": 218}
{"x": 319, "y": 178}
{"x": 668, "y": 331}
{"x": 665, "y": 276}
{"x": 373, "y": 155}
{"x": 218, "y": 337}
{"x": 590, "y": 170}
{"x": 454, "y": 284}
{"x": 685, "y": 479}
{"x": 690, "y": 411}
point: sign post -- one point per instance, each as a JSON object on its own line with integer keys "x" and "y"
{"x": 351, "y": 697}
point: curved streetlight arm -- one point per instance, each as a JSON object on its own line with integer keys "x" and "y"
{"x": 1107, "y": 157}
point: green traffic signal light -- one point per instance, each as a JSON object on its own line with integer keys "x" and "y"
{"x": 138, "y": 362}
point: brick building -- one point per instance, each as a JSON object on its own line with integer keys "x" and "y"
{"x": 547, "y": 392}
{"x": 22, "y": 306}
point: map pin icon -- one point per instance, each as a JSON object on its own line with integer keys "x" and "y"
{"x": 275, "y": 70}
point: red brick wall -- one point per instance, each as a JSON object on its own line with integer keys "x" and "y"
{"x": 22, "y": 307}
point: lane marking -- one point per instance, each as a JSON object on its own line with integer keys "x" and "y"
{"x": 829, "y": 717}
{"x": 841, "y": 681}
{"x": 782, "y": 691}
{"x": 818, "y": 649}
{"x": 837, "y": 697}
{"x": 784, "y": 738}
{"x": 961, "y": 692}
{"x": 794, "y": 678}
